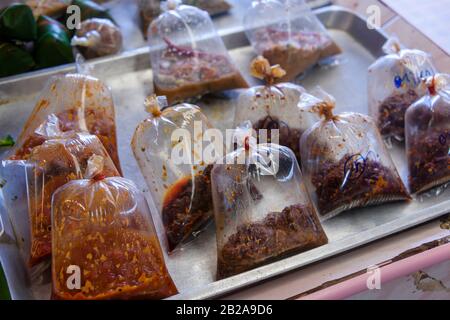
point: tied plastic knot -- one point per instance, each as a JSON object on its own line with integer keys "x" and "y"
{"x": 94, "y": 168}
{"x": 244, "y": 136}
{"x": 171, "y": 5}
{"x": 431, "y": 85}
{"x": 154, "y": 104}
{"x": 260, "y": 68}
{"x": 90, "y": 39}
{"x": 438, "y": 84}
{"x": 325, "y": 109}
{"x": 392, "y": 45}
{"x": 247, "y": 143}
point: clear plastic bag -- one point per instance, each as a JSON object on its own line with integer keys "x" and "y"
{"x": 394, "y": 84}
{"x": 80, "y": 103}
{"x": 346, "y": 163}
{"x": 49, "y": 166}
{"x": 276, "y": 106}
{"x": 151, "y": 9}
{"x": 97, "y": 38}
{"x": 103, "y": 232}
{"x": 262, "y": 209}
{"x": 180, "y": 185}
{"x": 188, "y": 57}
{"x": 287, "y": 32}
{"x": 427, "y": 128}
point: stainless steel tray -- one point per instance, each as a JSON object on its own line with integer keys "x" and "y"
{"x": 193, "y": 269}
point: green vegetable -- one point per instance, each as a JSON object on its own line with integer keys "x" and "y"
{"x": 4, "y": 290}
{"x": 14, "y": 60}
{"x": 17, "y": 23}
{"x": 53, "y": 46}
{"x": 7, "y": 142}
{"x": 90, "y": 9}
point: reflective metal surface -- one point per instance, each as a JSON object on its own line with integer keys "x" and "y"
{"x": 193, "y": 268}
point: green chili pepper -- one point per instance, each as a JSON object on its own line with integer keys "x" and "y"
{"x": 14, "y": 60}
{"x": 7, "y": 142}
{"x": 53, "y": 46}
{"x": 17, "y": 23}
{"x": 4, "y": 290}
{"x": 90, "y": 9}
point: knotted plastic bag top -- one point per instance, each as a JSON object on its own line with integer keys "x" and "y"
{"x": 97, "y": 38}
{"x": 283, "y": 106}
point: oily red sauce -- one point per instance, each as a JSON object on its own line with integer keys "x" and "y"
{"x": 56, "y": 165}
{"x": 115, "y": 263}
{"x": 97, "y": 122}
{"x": 187, "y": 206}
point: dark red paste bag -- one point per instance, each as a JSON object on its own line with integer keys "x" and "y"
{"x": 188, "y": 57}
{"x": 168, "y": 148}
{"x": 394, "y": 84}
{"x": 346, "y": 163}
{"x": 262, "y": 209}
{"x": 104, "y": 242}
{"x": 288, "y": 33}
{"x": 428, "y": 136}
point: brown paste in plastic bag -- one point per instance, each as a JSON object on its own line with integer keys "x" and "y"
{"x": 296, "y": 228}
{"x": 183, "y": 211}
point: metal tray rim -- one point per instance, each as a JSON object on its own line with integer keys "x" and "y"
{"x": 220, "y": 288}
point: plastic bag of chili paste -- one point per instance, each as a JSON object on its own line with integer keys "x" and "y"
{"x": 276, "y": 106}
{"x": 394, "y": 84}
{"x": 168, "y": 148}
{"x": 428, "y": 136}
{"x": 48, "y": 166}
{"x": 346, "y": 163}
{"x": 288, "y": 33}
{"x": 97, "y": 38}
{"x": 81, "y": 103}
{"x": 102, "y": 230}
{"x": 261, "y": 206}
{"x": 188, "y": 57}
